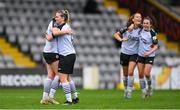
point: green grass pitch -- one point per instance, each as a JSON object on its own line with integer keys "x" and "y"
{"x": 90, "y": 99}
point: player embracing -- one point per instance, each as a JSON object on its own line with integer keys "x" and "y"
{"x": 148, "y": 45}
{"x": 51, "y": 56}
{"x": 67, "y": 56}
{"x": 129, "y": 36}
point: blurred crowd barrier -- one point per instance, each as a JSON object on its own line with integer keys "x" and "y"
{"x": 31, "y": 77}
{"x": 162, "y": 78}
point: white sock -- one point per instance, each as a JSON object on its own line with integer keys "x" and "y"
{"x": 52, "y": 93}
{"x": 67, "y": 91}
{"x": 130, "y": 83}
{"x": 142, "y": 83}
{"x": 54, "y": 87}
{"x": 45, "y": 95}
{"x": 75, "y": 95}
{"x": 73, "y": 89}
{"x": 47, "y": 84}
{"x": 68, "y": 97}
{"x": 125, "y": 82}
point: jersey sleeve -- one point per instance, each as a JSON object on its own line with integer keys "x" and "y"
{"x": 48, "y": 31}
{"x": 66, "y": 26}
{"x": 154, "y": 37}
{"x": 121, "y": 30}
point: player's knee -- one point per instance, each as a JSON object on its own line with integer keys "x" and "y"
{"x": 141, "y": 75}
{"x": 147, "y": 76}
{"x": 50, "y": 77}
{"x": 63, "y": 79}
{"x": 130, "y": 73}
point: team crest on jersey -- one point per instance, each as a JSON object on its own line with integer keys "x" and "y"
{"x": 59, "y": 69}
{"x": 57, "y": 56}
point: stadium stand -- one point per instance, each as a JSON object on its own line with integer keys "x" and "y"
{"x": 24, "y": 23}
{"x": 172, "y": 5}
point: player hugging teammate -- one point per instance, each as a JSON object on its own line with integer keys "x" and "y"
{"x": 60, "y": 56}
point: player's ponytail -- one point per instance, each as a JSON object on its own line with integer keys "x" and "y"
{"x": 65, "y": 14}
{"x": 67, "y": 20}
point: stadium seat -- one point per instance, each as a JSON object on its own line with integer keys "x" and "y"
{"x": 26, "y": 22}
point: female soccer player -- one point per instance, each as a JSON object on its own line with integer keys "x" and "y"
{"x": 147, "y": 46}
{"x": 129, "y": 49}
{"x": 67, "y": 56}
{"x": 51, "y": 56}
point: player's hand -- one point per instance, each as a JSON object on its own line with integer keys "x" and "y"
{"x": 146, "y": 54}
{"x": 124, "y": 38}
{"x": 49, "y": 37}
{"x": 55, "y": 29}
{"x": 131, "y": 27}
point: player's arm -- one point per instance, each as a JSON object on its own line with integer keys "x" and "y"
{"x": 119, "y": 32}
{"x": 154, "y": 45}
{"x": 58, "y": 32}
{"x": 48, "y": 34}
{"x": 130, "y": 28}
{"x": 153, "y": 49}
{"x": 118, "y": 36}
{"x": 49, "y": 37}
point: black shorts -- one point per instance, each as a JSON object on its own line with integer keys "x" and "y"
{"x": 146, "y": 60}
{"x": 50, "y": 57}
{"x": 66, "y": 64}
{"x": 125, "y": 59}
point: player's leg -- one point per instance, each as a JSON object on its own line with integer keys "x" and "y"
{"x": 55, "y": 83}
{"x": 142, "y": 82}
{"x": 73, "y": 90}
{"x": 131, "y": 68}
{"x": 124, "y": 61}
{"x": 147, "y": 71}
{"x": 47, "y": 85}
{"x": 64, "y": 70}
{"x": 72, "y": 59}
{"x": 125, "y": 80}
{"x": 141, "y": 79}
{"x": 66, "y": 87}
